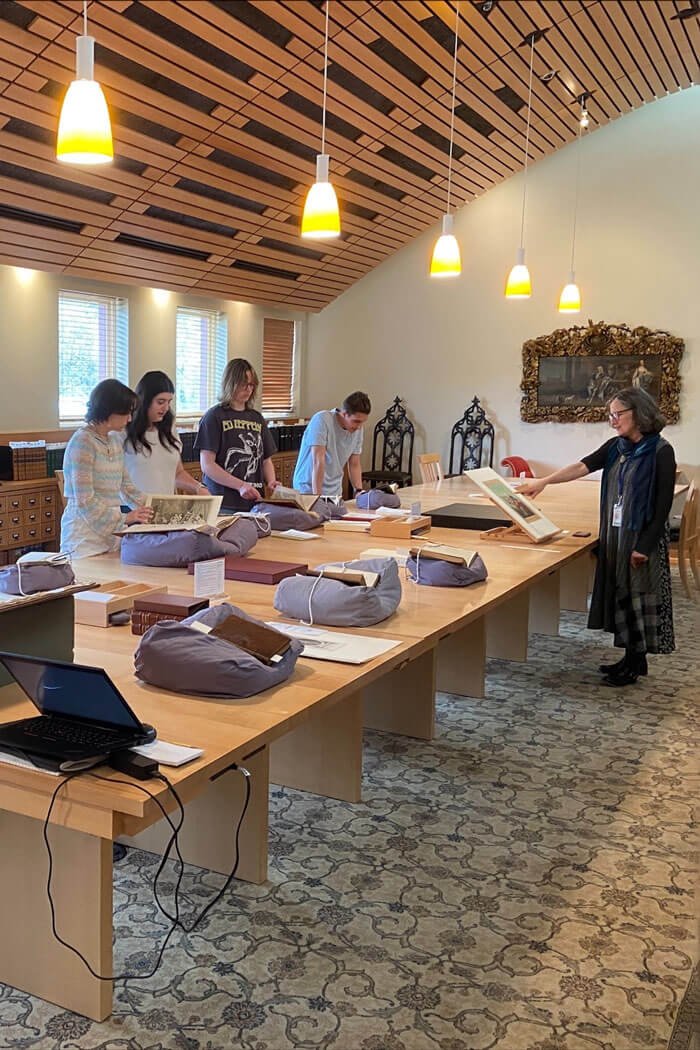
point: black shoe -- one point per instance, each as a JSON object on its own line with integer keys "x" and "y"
{"x": 613, "y": 668}
{"x": 626, "y": 676}
{"x": 640, "y": 666}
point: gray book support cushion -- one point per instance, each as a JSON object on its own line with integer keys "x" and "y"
{"x": 433, "y": 572}
{"x": 178, "y": 548}
{"x": 31, "y": 578}
{"x": 329, "y": 510}
{"x": 339, "y": 604}
{"x": 375, "y": 498}
{"x": 283, "y": 518}
{"x": 181, "y": 659}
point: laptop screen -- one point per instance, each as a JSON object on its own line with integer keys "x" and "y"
{"x": 71, "y": 690}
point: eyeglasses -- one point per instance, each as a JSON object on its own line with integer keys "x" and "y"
{"x": 614, "y": 416}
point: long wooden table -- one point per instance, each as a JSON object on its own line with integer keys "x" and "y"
{"x": 306, "y": 733}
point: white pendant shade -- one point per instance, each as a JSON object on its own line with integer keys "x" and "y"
{"x": 321, "y": 218}
{"x": 84, "y": 128}
{"x": 518, "y": 285}
{"x": 446, "y": 260}
{"x": 570, "y": 298}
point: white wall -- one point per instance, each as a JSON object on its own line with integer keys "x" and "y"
{"x": 29, "y": 339}
{"x": 437, "y": 343}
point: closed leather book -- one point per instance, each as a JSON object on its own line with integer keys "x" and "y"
{"x": 255, "y": 638}
{"x": 260, "y": 570}
{"x": 141, "y": 620}
{"x": 166, "y": 603}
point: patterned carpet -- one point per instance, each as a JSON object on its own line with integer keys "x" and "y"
{"x": 524, "y": 882}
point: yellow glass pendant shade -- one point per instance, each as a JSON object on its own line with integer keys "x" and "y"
{"x": 321, "y": 217}
{"x": 446, "y": 260}
{"x": 570, "y": 298}
{"x": 84, "y": 129}
{"x": 518, "y": 285}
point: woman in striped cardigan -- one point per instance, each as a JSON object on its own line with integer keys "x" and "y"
{"x": 95, "y": 479}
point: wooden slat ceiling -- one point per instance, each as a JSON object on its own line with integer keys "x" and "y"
{"x": 216, "y": 120}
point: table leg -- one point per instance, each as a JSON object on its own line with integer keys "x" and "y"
{"x": 576, "y": 583}
{"x": 544, "y": 605}
{"x": 30, "y": 957}
{"x": 206, "y": 839}
{"x": 462, "y": 661}
{"x": 324, "y": 754}
{"x": 403, "y": 701}
{"x": 507, "y": 629}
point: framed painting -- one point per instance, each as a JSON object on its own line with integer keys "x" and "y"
{"x": 570, "y": 375}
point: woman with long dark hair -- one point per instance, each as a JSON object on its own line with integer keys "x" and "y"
{"x": 632, "y": 590}
{"x": 95, "y": 479}
{"x": 151, "y": 446}
{"x": 234, "y": 444}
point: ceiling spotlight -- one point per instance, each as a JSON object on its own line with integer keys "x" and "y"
{"x": 549, "y": 75}
{"x": 486, "y": 6}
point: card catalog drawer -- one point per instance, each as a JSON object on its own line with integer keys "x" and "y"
{"x": 15, "y": 537}
{"x": 47, "y": 498}
{"x": 14, "y": 503}
{"x": 47, "y": 530}
{"x": 32, "y": 533}
{"x": 31, "y": 500}
{"x": 3, "y": 504}
{"x": 15, "y": 517}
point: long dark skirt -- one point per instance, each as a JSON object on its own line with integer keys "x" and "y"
{"x": 634, "y": 605}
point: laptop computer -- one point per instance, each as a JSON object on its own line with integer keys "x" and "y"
{"x": 83, "y": 716}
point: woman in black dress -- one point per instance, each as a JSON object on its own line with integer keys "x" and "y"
{"x": 632, "y": 590}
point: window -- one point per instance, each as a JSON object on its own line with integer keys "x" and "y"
{"x": 279, "y": 366}
{"x": 200, "y": 355}
{"x": 93, "y": 344}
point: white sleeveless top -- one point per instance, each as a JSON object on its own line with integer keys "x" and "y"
{"x": 154, "y": 473}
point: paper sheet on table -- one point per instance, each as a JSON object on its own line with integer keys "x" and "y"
{"x": 168, "y": 754}
{"x": 294, "y": 534}
{"x": 399, "y": 556}
{"x": 15, "y": 760}
{"x": 335, "y": 645}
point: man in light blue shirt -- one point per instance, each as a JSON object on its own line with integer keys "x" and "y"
{"x": 332, "y": 439}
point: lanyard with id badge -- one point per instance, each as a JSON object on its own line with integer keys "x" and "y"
{"x": 617, "y": 507}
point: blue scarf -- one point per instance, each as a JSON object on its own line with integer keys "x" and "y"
{"x": 641, "y": 459}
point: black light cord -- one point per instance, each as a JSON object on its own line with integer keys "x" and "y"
{"x": 175, "y": 920}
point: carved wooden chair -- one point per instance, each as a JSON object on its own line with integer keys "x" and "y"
{"x": 430, "y": 467}
{"x": 472, "y": 441}
{"x": 392, "y": 448}
{"x": 689, "y": 541}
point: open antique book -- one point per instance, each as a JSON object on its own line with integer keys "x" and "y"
{"x": 290, "y": 498}
{"x": 445, "y": 552}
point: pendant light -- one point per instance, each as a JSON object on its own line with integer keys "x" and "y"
{"x": 446, "y": 261}
{"x": 321, "y": 217}
{"x": 518, "y": 285}
{"x": 84, "y": 129}
{"x": 570, "y": 298}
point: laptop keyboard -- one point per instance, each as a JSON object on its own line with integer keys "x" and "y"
{"x": 59, "y": 729}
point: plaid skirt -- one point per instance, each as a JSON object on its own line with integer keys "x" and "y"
{"x": 634, "y": 605}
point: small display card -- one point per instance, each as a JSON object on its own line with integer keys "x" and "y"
{"x": 209, "y": 578}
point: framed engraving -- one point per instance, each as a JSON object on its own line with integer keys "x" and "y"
{"x": 570, "y": 375}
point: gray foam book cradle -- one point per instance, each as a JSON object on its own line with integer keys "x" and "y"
{"x": 30, "y": 577}
{"x": 432, "y": 572}
{"x": 335, "y": 603}
{"x": 375, "y": 498}
{"x": 178, "y": 548}
{"x": 282, "y": 518}
{"x": 181, "y": 659}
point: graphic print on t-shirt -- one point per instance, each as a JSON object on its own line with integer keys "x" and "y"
{"x": 245, "y": 452}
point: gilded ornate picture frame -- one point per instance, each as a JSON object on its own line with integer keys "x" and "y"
{"x": 569, "y": 375}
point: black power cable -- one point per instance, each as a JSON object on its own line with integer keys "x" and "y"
{"x": 173, "y": 841}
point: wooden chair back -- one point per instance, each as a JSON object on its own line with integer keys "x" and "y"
{"x": 59, "y": 482}
{"x": 430, "y": 467}
{"x": 689, "y": 541}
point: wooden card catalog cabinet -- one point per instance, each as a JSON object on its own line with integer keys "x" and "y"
{"x": 29, "y": 514}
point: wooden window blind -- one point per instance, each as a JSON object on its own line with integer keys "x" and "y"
{"x": 93, "y": 344}
{"x": 278, "y": 365}
{"x": 201, "y": 338}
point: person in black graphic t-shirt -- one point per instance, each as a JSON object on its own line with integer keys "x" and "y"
{"x": 234, "y": 444}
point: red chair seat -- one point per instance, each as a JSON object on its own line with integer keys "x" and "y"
{"x": 518, "y": 465}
